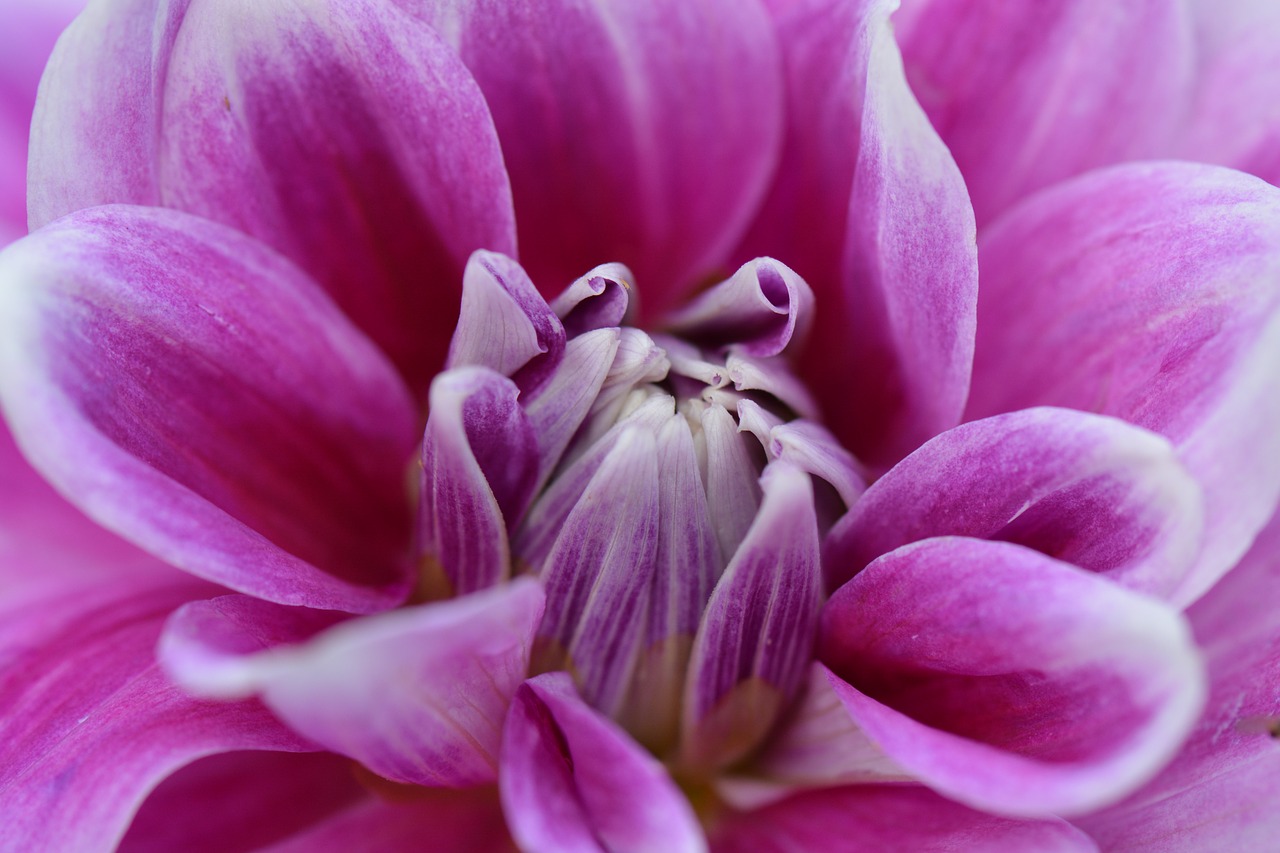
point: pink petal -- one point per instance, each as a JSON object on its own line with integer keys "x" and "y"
{"x": 417, "y": 695}
{"x": 197, "y": 394}
{"x": 571, "y": 780}
{"x": 1029, "y": 94}
{"x": 641, "y": 133}
{"x": 343, "y": 133}
{"x": 1009, "y": 681}
{"x": 89, "y": 725}
{"x": 1146, "y": 292}
{"x": 869, "y": 208}
{"x": 873, "y": 818}
{"x": 1084, "y": 489}
{"x": 1219, "y": 791}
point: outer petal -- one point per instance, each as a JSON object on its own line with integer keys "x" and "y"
{"x": 641, "y": 133}
{"x": 1219, "y": 792}
{"x": 1084, "y": 489}
{"x": 873, "y": 818}
{"x": 88, "y": 724}
{"x": 870, "y": 210}
{"x": 573, "y": 781}
{"x": 341, "y": 132}
{"x": 1009, "y": 681}
{"x": 1028, "y": 94}
{"x": 197, "y": 394}
{"x": 417, "y": 695}
{"x": 1148, "y": 293}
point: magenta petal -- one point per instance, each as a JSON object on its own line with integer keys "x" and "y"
{"x": 641, "y": 133}
{"x": 573, "y": 781}
{"x": 479, "y": 469}
{"x": 874, "y": 818}
{"x": 1147, "y": 292}
{"x": 417, "y": 695}
{"x": 1028, "y": 94}
{"x": 1009, "y": 681}
{"x": 342, "y": 133}
{"x": 197, "y": 394}
{"x": 1085, "y": 489}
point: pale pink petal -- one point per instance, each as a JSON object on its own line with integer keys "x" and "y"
{"x": 573, "y": 781}
{"x": 641, "y": 133}
{"x": 760, "y": 309}
{"x": 417, "y": 695}
{"x": 1219, "y": 793}
{"x": 875, "y": 818}
{"x": 1146, "y": 292}
{"x": 341, "y": 132}
{"x": 1009, "y": 681}
{"x": 194, "y": 392}
{"x": 1084, "y": 489}
{"x": 869, "y": 208}
{"x": 1029, "y": 94}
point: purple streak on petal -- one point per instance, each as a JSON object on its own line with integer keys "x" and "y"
{"x": 1010, "y": 681}
{"x": 343, "y": 134}
{"x": 759, "y": 310}
{"x": 479, "y": 470}
{"x": 733, "y": 492}
{"x": 1085, "y": 489}
{"x": 1146, "y": 292}
{"x": 603, "y": 298}
{"x": 417, "y": 695}
{"x": 197, "y": 394}
{"x": 1029, "y": 94}
{"x": 755, "y": 640}
{"x": 505, "y": 325}
{"x": 573, "y": 781}
{"x": 870, "y": 209}
{"x": 643, "y": 133}
{"x": 599, "y": 572}
{"x": 873, "y": 818}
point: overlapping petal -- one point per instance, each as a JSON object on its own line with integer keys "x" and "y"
{"x": 144, "y": 370}
{"x": 1147, "y": 292}
{"x": 344, "y": 134}
{"x": 1009, "y": 681}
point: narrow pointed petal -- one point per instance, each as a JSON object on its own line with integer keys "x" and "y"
{"x": 1085, "y": 489}
{"x": 598, "y": 573}
{"x": 194, "y": 392}
{"x": 479, "y": 470}
{"x": 1009, "y": 681}
{"x": 1146, "y": 292}
{"x": 1029, "y": 94}
{"x": 760, "y": 309}
{"x": 573, "y": 781}
{"x": 872, "y": 818}
{"x": 601, "y": 299}
{"x": 871, "y": 211}
{"x": 752, "y": 649}
{"x": 343, "y": 134}
{"x": 417, "y": 695}
{"x": 773, "y": 376}
{"x": 641, "y": 133}
{"x": 732, "y": 490}
{"x": 812, "y": 449}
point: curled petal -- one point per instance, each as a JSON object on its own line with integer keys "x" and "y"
{"x": 1009, "y": 681}
{"x": 417, "y": 695}
{"x": 759, "y": 310}
{"x": 197, "y": 394}
{"x": 601, "y": 299}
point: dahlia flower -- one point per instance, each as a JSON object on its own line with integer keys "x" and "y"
{"x": 644, "y": 426}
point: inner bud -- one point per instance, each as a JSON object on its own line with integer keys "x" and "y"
{"x": 669, "y": 490}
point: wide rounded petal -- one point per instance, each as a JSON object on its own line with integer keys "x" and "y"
{"x": 1029, "y": 94}
{"x": 1147, "y": 292}
{"x": 874, "y": 818}
{"x": 417, "y": 695}
{"x": 1089, "y": 490}
{"x": 343, "y": 133}
{"x": 1009, "y": 681}
{"x": 194, "y": 392}
{"x": 642, "y": 133}
{"x": 869, "y": 208}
